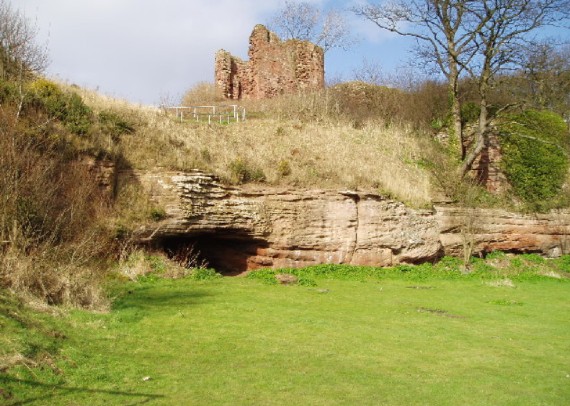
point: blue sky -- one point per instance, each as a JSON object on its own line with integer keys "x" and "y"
{"x": 146, "y": 51}
{"x": 149, "y": 51}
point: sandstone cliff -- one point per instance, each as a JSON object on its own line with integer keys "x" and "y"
{"x": 242, "y": 228}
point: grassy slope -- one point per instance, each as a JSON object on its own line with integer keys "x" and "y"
{"x": 319, "y": 151}
{"x": 387, "y": 341}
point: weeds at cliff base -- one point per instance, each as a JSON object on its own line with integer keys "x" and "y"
{"x": 526, "y": 267}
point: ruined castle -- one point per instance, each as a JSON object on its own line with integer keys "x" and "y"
{"x": 275, "y": 67}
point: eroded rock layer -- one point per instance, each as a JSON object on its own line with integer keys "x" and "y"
{"x": 242, "y": 228}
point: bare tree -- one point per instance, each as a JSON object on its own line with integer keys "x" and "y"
{"x": 546, "y": 72}
{"x": 504, "y": 27}
{"x": 443, "y": 40}
{"x": 466, "y": 37}
{"x": 369, "y": 72}
{"x": 19, "y": 53}
{"x": 303, "y": 21}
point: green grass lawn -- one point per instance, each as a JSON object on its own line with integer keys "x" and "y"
{"x": 385, "y": 341}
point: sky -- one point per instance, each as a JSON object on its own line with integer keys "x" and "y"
{"x": 152, "y": 51}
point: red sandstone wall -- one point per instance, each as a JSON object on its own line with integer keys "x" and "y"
{"x": 275, "y": 67}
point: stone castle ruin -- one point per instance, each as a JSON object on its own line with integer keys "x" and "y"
{"x": 275, "y": 67}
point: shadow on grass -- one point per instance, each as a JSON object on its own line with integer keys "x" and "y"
{"x": 158, "y": 296}
{"x": 53, "y": 391}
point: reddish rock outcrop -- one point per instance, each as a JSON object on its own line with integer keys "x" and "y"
{"x": 487, "y": 166}
{"x": 275, "y": 67}
{"x": 103, "y": 171}
{"x": 500, "y": 230}
{"x": 241, "y": 228}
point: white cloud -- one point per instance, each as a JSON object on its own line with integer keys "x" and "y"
{"x": 141, "y": 49}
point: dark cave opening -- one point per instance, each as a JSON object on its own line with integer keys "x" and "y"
{"x": 228, "y": 254}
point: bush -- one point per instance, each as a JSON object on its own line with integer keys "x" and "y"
{"x": 361, "y": 102}
{"x": 202, "y": 274}
{"x": 202, "y": 93}
{"x": 51, "y": 227}
{"x": 48, "y": 97}
{"x": 157, "y": 214}
{"x": 69, "y": 108}
{"x": 535, "y": 160}
{"x": 77, "y": 116}
{"x": 8, "y": 92}
{"x": 241, "y": 172}
{"x": 113, "y": 124}
{"x": 284, "y": 168}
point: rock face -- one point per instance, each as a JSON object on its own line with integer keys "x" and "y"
{"x": 500, "y": 230}
{"x": 103, "y": 172}
{"x": 486, "y": 168}
{"x": 275, "y": 67}
{"x": 237, "y": 229}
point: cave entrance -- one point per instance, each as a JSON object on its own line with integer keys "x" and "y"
{"x": 228, "y": 255}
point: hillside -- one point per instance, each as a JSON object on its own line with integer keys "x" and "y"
{"x": 291, "y": 141}
{"x": 72, "y": 144}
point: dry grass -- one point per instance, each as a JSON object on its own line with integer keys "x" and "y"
{"x": 52, "y": 232}
{"x": 501, "y": 283}
{"x": 301, "y": 145}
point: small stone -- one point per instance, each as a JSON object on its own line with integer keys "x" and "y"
{"x": 146, "y": 378}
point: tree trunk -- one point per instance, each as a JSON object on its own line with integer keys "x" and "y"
{"x": 456, "y": 122}
{"x": 482, "y": 133}
{"x": 456, "y": 136}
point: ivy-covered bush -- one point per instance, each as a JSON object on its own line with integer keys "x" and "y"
{"x": 535, "y": 147}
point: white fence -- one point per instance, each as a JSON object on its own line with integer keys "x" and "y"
{"x": 221, "y": 114}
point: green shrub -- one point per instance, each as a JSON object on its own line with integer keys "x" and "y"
{"x": 157, "y": 214}
{"x": 265, "y": 275}
{"x": 114, "y": 125}
{"x": 67, "y": 107}
{"x": 284, "y": 168}
{"x": 241, "y": 172}
{"x": 535, "y": 158}
{"x": 47, "y": 96}
{"x": 157, "y": 264}
{"x": 8, "y": 92}
{"x": 201, "y": 274}
{"x": 77, "y": 116}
